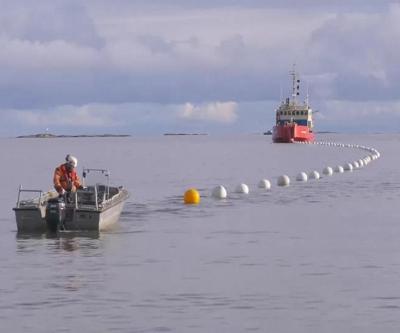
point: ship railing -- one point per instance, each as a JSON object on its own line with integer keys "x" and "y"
{"x": 31, "y": 202}
{"x": 94, "y": 196}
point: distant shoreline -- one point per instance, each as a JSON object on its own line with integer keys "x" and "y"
{"x": 51, "y": 136}
{"x": 166, "y": 134}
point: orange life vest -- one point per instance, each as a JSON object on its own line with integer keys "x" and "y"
{"x": 65, "y": 179}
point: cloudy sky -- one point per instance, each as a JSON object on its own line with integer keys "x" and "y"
{"x": 215, "y": 66}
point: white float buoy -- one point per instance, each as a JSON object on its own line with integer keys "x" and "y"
{"x": 339, "y": 169}
{"x": 265, "y": 184}
{"x": 348, "y": 167}
{"x": 283, "y": 180}
{"x": 242, "y": 188}
{"x": 355, "y": 165}
{"x": 314, "y": 175}
{"x": 302, "y": 177}
{"x": 327, "y": 171}
{"x": 360, "y": 163}
{"x": 219, "y": 192}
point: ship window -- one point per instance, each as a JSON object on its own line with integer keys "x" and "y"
{"x": 285, "y": 113}
{"x": 297, "y": 113}
{"x": 302, "y": 112}
{"x": 293, "y": 113}
{"x": 281, "y": 112}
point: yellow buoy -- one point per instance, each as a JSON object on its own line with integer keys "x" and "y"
{"x": 191, "y": 196}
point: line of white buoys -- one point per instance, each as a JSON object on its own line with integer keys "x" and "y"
{"x": 339, "y": 169}
{"x": 314, "y": 175}
{"x": 348, "y": 167}
{"x": 302, "y": 177}
{"x": 242, "y": 188}
{"x": 283, "y": 180}
{"x": 327, "y": 171}
{"x": 372, "y": 155}
{"x": 264, "y": 184}
{"x": 219, "y": 192}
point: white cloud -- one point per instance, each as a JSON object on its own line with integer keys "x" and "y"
{"x": 359, "y": 48}
{"x": 23, "y": 54}
{"x": 48, "y": 20}
{"x": 84, "y": 116}
{"x": 94, "y": 53}
{"x": 221, "y": 112}
{"x": 358, "y": 116}
{"x": 348, "y": 110}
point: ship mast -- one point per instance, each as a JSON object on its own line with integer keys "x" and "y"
{"x": 295, "y": 85}
{"x": 307, "y": 98}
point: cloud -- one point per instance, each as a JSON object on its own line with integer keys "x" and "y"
{"x": 75, "y": 117}
{"x": 126, "y": 118}
{"x": 221, "y": 112}
{"x": 156, "y": 44}
{"x": 155, "y": 119}
{"x": 49, "y": 20}
{"x": 22, "y": 55}
{"x": 151, "y": 56}
{"x": 358, "y": 116}
{"x": 156, "y": 5}
{"x": 164, "y": 53}
{"x": 358, "y": 49}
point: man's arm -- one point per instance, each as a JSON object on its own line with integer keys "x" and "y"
{"x": 77, "y": 182}
{"x": 57, "y": 181}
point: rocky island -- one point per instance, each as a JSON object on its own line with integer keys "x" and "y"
{"x": 49, "y": 135}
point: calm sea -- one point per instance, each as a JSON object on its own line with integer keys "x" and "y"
{"x": 321, "y": 256}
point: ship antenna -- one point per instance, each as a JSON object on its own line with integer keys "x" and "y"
{"x": 295, "y": 84}
{"x": 307, "y": 97}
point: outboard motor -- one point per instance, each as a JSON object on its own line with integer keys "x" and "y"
{"x": 55, "y": 214}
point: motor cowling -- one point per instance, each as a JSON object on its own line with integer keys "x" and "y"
{"x": 55, "y": 214}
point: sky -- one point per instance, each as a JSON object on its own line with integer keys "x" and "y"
{"x": 143, "y": 67}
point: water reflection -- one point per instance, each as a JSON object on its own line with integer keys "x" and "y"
{"x": 68, "y": 241}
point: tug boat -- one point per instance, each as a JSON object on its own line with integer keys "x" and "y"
{"x": 293, "y": 119}
{"x": 95, "y": 207}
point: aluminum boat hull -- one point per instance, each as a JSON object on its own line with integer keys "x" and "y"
{"x": 86, "y": 216}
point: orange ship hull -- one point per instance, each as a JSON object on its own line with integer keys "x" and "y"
{"x": 291, "y": 133}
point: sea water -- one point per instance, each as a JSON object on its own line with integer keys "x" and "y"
{"x": 317, "y": 256}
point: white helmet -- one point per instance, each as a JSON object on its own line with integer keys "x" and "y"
{"x": 71, "y": 160}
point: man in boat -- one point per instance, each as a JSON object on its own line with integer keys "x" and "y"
{"x": 65, "y": 178}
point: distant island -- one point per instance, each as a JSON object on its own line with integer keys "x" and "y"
{"x": 269, "y": 132}
{"x": 49, "y": 135}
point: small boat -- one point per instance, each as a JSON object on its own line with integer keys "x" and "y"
{"x": 293, "y": 119}
{"x": 95, "y": 207}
